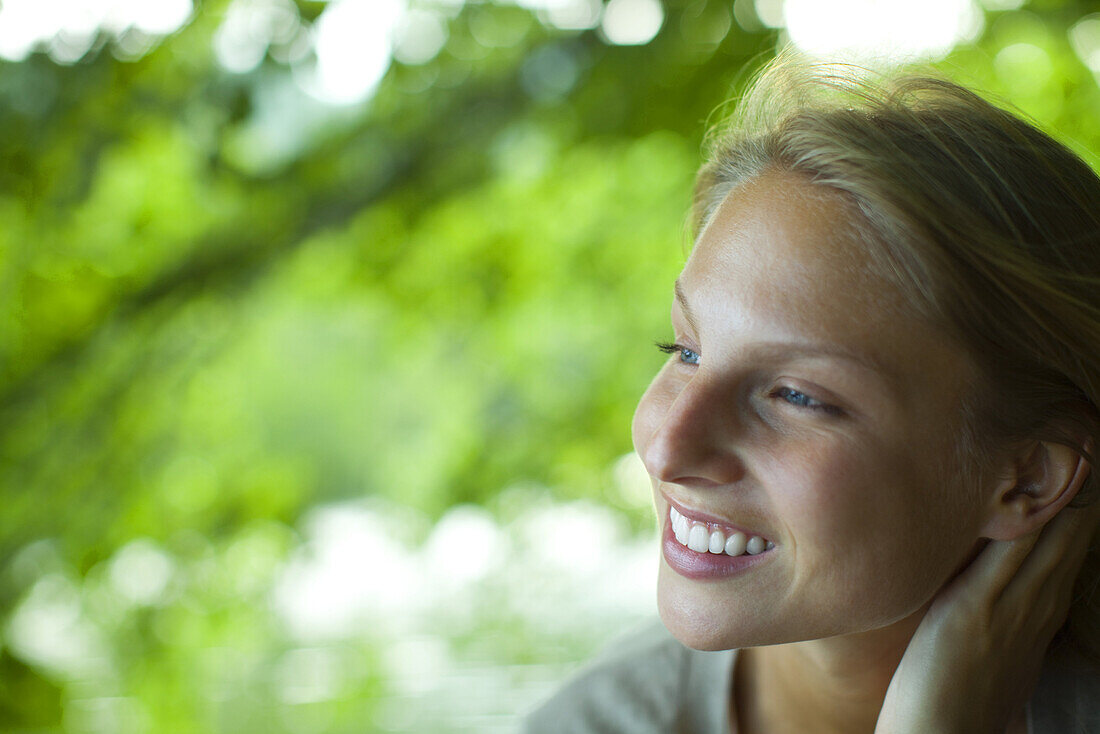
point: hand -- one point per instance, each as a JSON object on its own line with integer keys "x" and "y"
{"x": 975, "y": 657}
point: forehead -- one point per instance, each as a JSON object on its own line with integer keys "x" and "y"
{"x": 779, "y": 238}
{"x": 784, "y": 259}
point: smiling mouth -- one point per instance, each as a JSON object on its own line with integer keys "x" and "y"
{"x": 703, "y": 537}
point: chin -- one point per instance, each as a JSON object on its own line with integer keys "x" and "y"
{"x": 703, "y": 632}
{"x": 707, "y": 624}
{"x": 706, "y": 617}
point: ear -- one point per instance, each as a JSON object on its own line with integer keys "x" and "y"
{"x": 1041, "y": 478}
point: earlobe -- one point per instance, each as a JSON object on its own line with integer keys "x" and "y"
{"x": 1042, "y": 479}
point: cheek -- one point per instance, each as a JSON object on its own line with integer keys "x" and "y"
{"x": 834, "y": 496}
{"x": 871, "y": 527}
{"x": 824, "y": 515}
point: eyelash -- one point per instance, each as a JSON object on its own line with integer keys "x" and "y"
{"x": 670, "y": 348}
{"x": 796, "y": 398}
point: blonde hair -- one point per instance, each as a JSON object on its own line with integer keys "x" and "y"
{"x": 990, "y": 227}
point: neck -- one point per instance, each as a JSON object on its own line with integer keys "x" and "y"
{"x": 835, "y": 684}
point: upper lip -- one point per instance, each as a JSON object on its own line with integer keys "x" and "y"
{"x": 703, "y": 517}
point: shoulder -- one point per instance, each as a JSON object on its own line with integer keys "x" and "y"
{"x": 630, "y": 687}
{"x": 636, "y": 685}
{"x": 1067, "y": 696}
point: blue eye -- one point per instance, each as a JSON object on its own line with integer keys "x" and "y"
{"x": 687, "y": 356}
{"x": 802, "y": 400}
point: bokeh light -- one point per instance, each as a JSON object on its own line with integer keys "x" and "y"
{"x": 323, "y": 323}
{"x": 67, "y": 29}
{"x": 249, "y": 28}
{"x": 631, "y": 22}
{"x": 770, "y": 13}
{"x": 881, "y": 30}
{"x": 1085, "y": 38}
{"x": 353, "y": 47}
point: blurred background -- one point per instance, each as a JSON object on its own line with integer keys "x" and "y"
{"x": 322, "y": 323}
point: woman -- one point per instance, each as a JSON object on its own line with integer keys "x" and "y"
{"x": 870, "y": 448}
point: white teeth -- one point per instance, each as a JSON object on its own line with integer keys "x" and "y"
{"x": 735, "y": 545}
{"x": 680, "y": 530}
{"x": 717, "y": 542}
{"x": 697, "y": 537}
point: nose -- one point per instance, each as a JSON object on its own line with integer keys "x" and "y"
{"x": 691, "y": 436}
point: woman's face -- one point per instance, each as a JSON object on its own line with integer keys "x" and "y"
{"x": 805, "y": 406}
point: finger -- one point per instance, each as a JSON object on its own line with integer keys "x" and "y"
{"x": 1045, "y": 559}
{"x": 1051, "y": 567}
{"x": 1064, "y": 541}
{"x": 1080, "y": 525}
{"x": 995, "y": 566}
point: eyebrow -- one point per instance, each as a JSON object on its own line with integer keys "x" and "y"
{"x": 682, "y": 300}
{"x": 796, "y": 348}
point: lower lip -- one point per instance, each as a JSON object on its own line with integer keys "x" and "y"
{"x": 703, "y": 566}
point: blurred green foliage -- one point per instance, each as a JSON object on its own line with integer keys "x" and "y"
{"x": 224, "y": 304}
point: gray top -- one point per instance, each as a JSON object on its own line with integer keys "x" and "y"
{"x": 649, "y": 683}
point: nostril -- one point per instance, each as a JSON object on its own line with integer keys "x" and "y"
{"x": 684, "y": 441}
{"x": 693, "y": 460}
{"x": 660, "y": 457}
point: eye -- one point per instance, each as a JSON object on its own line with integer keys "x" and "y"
{"x": 687, "y": 356}
{"x": 802, "y": 400}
